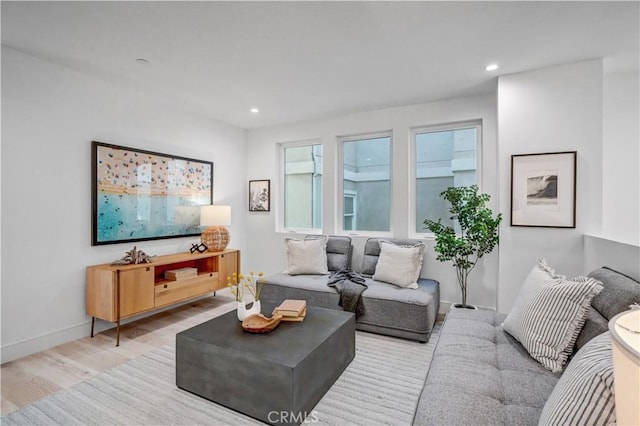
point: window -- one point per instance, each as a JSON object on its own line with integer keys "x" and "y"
{"x": 444, "y": 156}
{"x": 350, "y": 207}
{"x": 302, "y": 186}
{"x": 366, "y": 182}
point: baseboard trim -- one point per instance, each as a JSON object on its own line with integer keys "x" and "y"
{"x": 13, "y": 351}
{"x": 32, "y": 345}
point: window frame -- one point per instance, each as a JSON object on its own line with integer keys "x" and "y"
{"x": 413, "y": 132}
{"x": 281, "y": 206}
{"x": 339, "y": 199}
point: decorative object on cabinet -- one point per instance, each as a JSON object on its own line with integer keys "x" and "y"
{"x": 142, "y": 195}
{"x": 134, "y": 257}
{"x": 259, "y": 195}
{"x": 115, "y": 292}
{"x": 543, "y": 190}
{"x": 215, "y": 218}
{"x": 200, "y": 248}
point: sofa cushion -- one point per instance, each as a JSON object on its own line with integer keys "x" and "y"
{"x": 619, "y": 292}
{"x": 399, "y": 265}
{"x": 482, "y": 375}
{"x": 584, "y": 394}
{"x": 389, "y": 309}
{"x": 339, "y": 250}
{"x": 555, "y": 317}
{"x": 306, "y": 256}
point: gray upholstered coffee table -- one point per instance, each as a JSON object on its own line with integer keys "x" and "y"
{"x": 277, "y": 377}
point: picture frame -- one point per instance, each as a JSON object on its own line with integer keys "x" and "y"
{"x": 259, "y": 195}
{"x": 140, "y": 195}
{"x": 543, "y": 190}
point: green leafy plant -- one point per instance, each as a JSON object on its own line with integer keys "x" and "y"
{"x": 478, "y": 232}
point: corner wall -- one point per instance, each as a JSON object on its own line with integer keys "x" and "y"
{"x": 50, "y": 114}
{"x": 550, "y": 110}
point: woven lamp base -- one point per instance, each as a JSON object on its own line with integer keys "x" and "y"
{"x": 215, "y": 237}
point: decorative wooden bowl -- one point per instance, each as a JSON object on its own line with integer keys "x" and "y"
{"x": 258, "y": 323}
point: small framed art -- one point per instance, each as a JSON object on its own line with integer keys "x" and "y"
{"x": 543, "y": 190}
{"x": 259, "y": 195}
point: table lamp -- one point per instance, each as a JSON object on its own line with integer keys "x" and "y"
{"x": 625, "y": 338}
{"x": 215, "y": 218}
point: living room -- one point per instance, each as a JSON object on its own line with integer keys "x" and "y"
{"x": 571, "y": 86}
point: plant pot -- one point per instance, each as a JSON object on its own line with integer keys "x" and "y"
{"x": 243, "y": 312}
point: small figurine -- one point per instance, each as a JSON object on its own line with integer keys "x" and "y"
{"x": 198, "y": 248}
{"x": 134, "y": 257}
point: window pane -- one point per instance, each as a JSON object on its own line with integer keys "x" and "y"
{"x": 366, "y": 179}
{"x": 303, "y": 187}
{"x": 443, "y": 159}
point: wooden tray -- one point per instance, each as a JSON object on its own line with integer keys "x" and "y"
{"x": 258, "y": 323}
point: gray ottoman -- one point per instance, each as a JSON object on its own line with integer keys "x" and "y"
{"x": 277, "y": 377}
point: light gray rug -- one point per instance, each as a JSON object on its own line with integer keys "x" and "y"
{"x": 381, "y": 386}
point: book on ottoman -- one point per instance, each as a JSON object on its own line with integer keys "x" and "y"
{"x": 292, "y": 310}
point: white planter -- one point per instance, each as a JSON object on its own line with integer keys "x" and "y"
{"x": 243, "y": 312}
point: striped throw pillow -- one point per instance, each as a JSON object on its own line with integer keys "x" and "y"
{"x": 584, "y": 395}
{"x": 554, "y": 318}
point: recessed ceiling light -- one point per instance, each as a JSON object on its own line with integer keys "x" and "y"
{"x": 491, "y": 67}
{"x": 142, "y": 61}
{"x": 254, "y": 110}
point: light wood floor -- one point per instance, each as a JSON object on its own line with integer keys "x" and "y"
{"x": 33, "y": 377}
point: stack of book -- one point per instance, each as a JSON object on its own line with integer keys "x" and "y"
{"x": 178, "y": 274}
{"x": 292, "y": 310}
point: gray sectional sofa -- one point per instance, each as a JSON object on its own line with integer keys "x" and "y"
{"x": 389, "y": 310}
{"x": 480, "y": 375}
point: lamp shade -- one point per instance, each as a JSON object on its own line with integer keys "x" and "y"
{"x": 625, "y": 336}
{"x": 215, "y": 215}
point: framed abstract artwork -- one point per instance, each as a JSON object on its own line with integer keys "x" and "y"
{"x": 543, "y": 190}
{"x": 259, "y": 195}
{"x": 142, "y": 195}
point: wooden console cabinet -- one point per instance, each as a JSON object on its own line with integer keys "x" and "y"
{"x": 115, "y": 292}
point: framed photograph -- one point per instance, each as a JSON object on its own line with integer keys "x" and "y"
{"x": 142, "y": 195}
{"x": 543, "y": 190}
{"x": 259, "y": 195}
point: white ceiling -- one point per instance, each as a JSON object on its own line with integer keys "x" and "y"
{"x": 305, "y": 60}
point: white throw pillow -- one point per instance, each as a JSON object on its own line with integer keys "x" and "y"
{"x": 584, "y": 395}
{"x": 399, "y": 265}
{"x": 554, "y": 318}
{"x": 541, "y": 275}
{"x": 307, "y": 256}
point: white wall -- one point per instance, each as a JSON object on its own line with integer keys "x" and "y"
{"x": 549, "y": 110}
{"x": 621, "y": 157}
{"x": 266, "y": 250}
{"x": 50, "y": 114}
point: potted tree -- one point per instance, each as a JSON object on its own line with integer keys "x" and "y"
{"x": 477, "y": 234}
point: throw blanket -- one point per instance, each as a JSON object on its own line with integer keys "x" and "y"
{"x": 350, "y": 285}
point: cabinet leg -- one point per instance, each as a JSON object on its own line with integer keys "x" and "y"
{"x": 118, "y": 333}
{"x": 93, "y": 323}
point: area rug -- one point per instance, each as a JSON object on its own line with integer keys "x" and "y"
{"x": 380, "y": 386}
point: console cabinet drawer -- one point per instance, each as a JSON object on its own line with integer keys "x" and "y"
{"x": 175, "y": 291}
